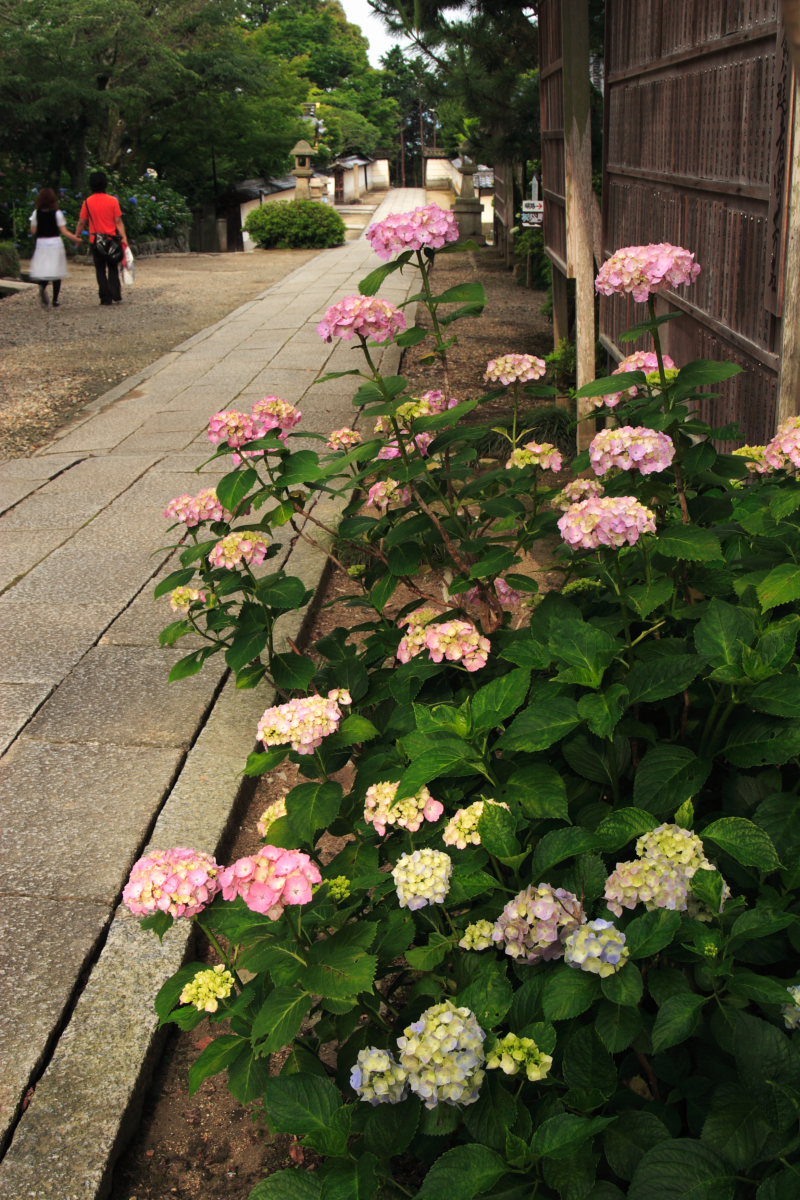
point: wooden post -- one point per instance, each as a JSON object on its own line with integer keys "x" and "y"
{"x": 789, "y": 380}
{"x": 560, "y": 307}
{"x": 580, "y": 200}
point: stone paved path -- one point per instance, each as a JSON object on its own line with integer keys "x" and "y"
{"x": 101, "y": 756}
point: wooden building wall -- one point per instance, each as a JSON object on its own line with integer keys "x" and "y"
{"x": 698, "y": 133}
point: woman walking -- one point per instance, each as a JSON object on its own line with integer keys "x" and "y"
{"x": 49, "y": 262}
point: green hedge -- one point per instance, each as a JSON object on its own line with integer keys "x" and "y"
{"x": 9, "y": 260}
{"x": 295, "y": 225}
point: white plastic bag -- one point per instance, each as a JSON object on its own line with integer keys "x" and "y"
{"x": 128, "y": 268}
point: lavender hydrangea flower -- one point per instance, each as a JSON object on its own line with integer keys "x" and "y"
{"x": 597, "y": 947}
{"x": 532, "y": 925}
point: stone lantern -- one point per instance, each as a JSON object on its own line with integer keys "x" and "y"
{"x": 303, "y": 154}
{"x": 468, "y": 208}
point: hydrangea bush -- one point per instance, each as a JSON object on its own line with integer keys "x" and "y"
{"x": 550, "y": 948}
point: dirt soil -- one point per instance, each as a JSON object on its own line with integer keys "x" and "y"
{"x": 52, "y": 361}
{"x": 208, "y": 1145}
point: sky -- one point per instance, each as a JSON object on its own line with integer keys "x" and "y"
{"x": 358, "y": 12}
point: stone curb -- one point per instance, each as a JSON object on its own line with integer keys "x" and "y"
{"x": 88, "y": 1101}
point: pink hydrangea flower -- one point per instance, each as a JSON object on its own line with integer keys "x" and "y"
{"x": 194, "y": 510}
{"x": 303, "y": 722}
{"x": 640, "y": 360}
{"x": 366, "y": 316}
{"x": 414, "y": 641}
{"x": 785, "y": 446}
{"x": 577, "y": 490}
{"x": 509, "y": 597}
{"x": 381, "y": 809}
{"x": 232, "y": 427}
{"x": 179, "y": 881}
{"x": 514, "y": 368}
{"x": 388, "y": 492}
{"x": 274, "y": 413}
{"x": 642, "y": 270}
{"x": 533, "y": 924}
{"x": 344, "y": 439}
{"x": 420, "y": 442}
{"x": 606, "y": 521}
{"x": 246, "y": 546}
{"x": 631, "y": 448}
{"x": 270, "y": 879}
{"x": 459, "y": 642}
{"x": 429, "y": 226}
{"x": 536, "y": 454}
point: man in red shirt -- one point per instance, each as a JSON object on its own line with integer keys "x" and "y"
{"x": 103, "y": 214}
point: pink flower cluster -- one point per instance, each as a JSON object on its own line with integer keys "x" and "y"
{"x": 387, "y": 492}
{"x": 642, "y": 270}
{"x": 606, "y": 521}
{"x": 784, "y": 449}
{"x": 381, "y": 809}
{"x": 344, "y": 439}
{"x": 232, "y": 427}
{"x": 246, "y": 546}
{"x": 577, "y": 490}
{"x": 640, "y": 360}
{"x": 179, "y": 881}
{"x": 509, "y": 597}
{"x": 267, "y": 416}
{"x": 454, "y": 641}
{"x": 631, "y": 448}
{"x": 365, "y": 316}
{"x": 303, "y": 722}
{"x": 430, "y": 226}
{"x": 536, "y": 454}
{"x": 514, "y": 368}
{"x": 194, "y": 510}
{"x": 270, "y": 879}
{"x": 459, "y": 642}
{"x": 273, "y": 413}
{"x": 420, "y": 442}
{"x": 532, "y": 925}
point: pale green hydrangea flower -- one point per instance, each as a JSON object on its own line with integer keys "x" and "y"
{"x": 791, "y": 1012}
{"x": 478, "y": 936}
{"x": 207, "y": 988}
{"x": 339, "y": 887}
{"x": 512, "y": 1054}
{"x": 378, "y": 1078}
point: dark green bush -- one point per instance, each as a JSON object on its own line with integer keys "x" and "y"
{"x": 295, "y": 225}
{"x": 533, "y": 265}
{"x": 9, "y": 260}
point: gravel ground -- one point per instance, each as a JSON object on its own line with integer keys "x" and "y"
{"x": 53, "y": 361}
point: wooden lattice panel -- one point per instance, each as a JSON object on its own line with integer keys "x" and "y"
{"x": 696, "y": 140}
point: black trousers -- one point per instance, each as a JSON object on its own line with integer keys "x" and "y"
{"x": 107, "y": 278}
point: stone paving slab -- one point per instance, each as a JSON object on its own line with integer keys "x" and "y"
{"x": 20, "y": 553}
{"x": 17, "y": 702}
{"x": 60, "y": 936}
{"x": 115, "y": 750}
{"x": 121, "y": 695}
{"x": 42, "y": 642}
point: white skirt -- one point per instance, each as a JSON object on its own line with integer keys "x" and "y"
{"x": 49, "y": 259}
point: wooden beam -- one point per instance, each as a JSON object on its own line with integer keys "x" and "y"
{"x": 579, "y": 196}
{"x": 789, "y": 379}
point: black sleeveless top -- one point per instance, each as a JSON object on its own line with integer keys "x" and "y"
{"x": 46, "y": 223}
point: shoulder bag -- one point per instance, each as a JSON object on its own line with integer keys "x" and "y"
{"x": 107, "y": 245}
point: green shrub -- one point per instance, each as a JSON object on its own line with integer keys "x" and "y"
{"x": 9, "y": 260}
{"x": 295, "y": 225}
{"x": 534, "y": 269}
{"x": 563, "y": 365}
{"x": 555, "y": 944}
